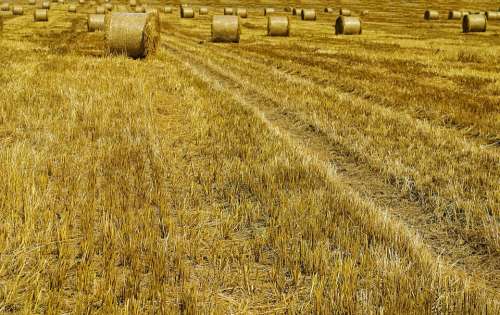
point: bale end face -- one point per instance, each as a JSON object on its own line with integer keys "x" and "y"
{"x": 225, "y": 29}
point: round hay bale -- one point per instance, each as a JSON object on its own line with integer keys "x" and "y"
{"x": 46, "y": 5}
{"x": 242, "y": 13}
{"x": 203, "y": 11}
{"x": 308, "y": 15}
{"x": 493, "y": 15}
{"x": 81, "y": 1}
{"x": 17, "y": 10}
{"x": 133, "y": 34}
{"x": 41, "y": 15}
{"x": 454, "y": 15}
{"x": 5, "y": 7}
{"x": 365, "y": 12}
{"x": 474, "y": 23}
{"x": 108, "y": 6}
{"x": 187, "y": 12}
{"x": 296, "y": 11}
{"x": 140, "y": 9}
{"x": 228, "y": 11}
{"x": 288, "y": 9}
{"x": 60, "y": 1}
{"x": 72, "y": 8}
{"x": 328, "y": 10}
{"x": 348, "y": 25}
{"x": 132, "y": 3}
{"x": 225, "y": 29}
{"x": 121, "y": 8}
{"x": 100, "y": 10}
{"x": 278, "y": 26}
{"x": 32, "y": 2}
{"x": 268, "y": 11}
{"x": 167, "y": 10}
{"x": 345, "y": 12}
{"x": 95, "y": 22}
{"x": 431, "y": 15}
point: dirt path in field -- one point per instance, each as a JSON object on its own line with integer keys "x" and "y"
{"x": 313, "y": 143}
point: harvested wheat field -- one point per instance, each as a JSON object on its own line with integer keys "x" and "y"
{"x": 313, "y": 173}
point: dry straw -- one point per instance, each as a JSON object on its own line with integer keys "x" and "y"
{"x": 17, "y": 10}
{"x": 493, "y": 15}
{"x": 268, "y": 11}
{"x": 431, "y": 15}
{"x": 5, "y": 7}
{"x": 454, "y": 15}
{"x": 95, "y": 22}
{"x": 345, "y": 12}
{"x": 278, "y": 26}
{"x": 72, "y": 8}
{"x": 242, "y": 13}
{"x": 225, "y": 29}
{"x": 328, "y": 10}
{"x": 203, "y": 11}
{"x": 348, "y": 25}
{"x": 308, "y": 15}
{"x": 187, "y": 12}
{"x": 100, "y": 10}
{"x": 133, "y": 34}
{"x": 228, "y": 11}
{"x": 474, "y": 23}
{"x": 41, "y": 15}
{"x": 167, "y": 10}
{"x": 46, "y": 5}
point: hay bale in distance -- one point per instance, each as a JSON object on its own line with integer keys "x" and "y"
{"x": 474, "y": 23}
{"x": 203, "y": 11}
{"x": 140, "y": 9}
{"x": 431, "y": 15}
{"x": 225, "y": 29}
{"x": 133, "y": 34}
{"x": 268, "y": 11}
{"x": 454, "y": 15}
{"x": 288, "y": 9}
{"x": 60, "y": 1}
{"x": 345, "y": 12}
{"x": 46, "y": 5}
{"x": 17, "y": 10}
{"x": 278, "y": 26}
{"x": 187, "y": 12}
{"x": 5, "y": 7}
{"x": 81, "y": 1}
{"x": 297, "y": 11}
{"x": 95, "y": 22}
{"x": 242, "y": 13}
{"x": 32, "y": 2}
{"x": 100, "y": 10}
{"x": 493, "y": 15}
{"x": 72, "y": 8}
{"x": 41, "y": 15}
{"x": 167, "y": 9}
{"x": 132, "y": 3}
{"x": 328, "y": 10}
{"x": 228, "y": 11}
{"x": 108, "y": 6}
{"x": 365, "y": 12}
{"x": 348, "y": 25}
{"x": 308, "y": 15}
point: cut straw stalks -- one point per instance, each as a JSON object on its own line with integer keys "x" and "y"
{"x": 431, "y": 15}
{"x": 348, "y": 25}
{"x": 474, "y": 23}
{"x": 136, "y": 35}
{"x": 95, "y": 22}
{"x": 242, "y": 13}
{"x": 308, "y": 15}
{"x": 225, "y": 29}
{"x": 278, "y": 26}
{"x": 187, "y": 12}
{"x": 17, "y": 10}
{"x": 41, "y": 15}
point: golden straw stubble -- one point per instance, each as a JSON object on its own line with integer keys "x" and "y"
{"x": 278, "y": 26}
{"x": 225, "y": 29}
{"x": 134, "y": 34}
{"x": 348, "y": 25}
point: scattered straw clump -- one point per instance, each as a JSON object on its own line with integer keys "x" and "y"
{"x": 17, "y": 10}
{"x": 474, "y": 23}
{"x": 242, "y": 13}
{"x": 308, "y": 15}
{"x": 41, "y": 15}
{"x": 431, "y": 15}
{"x": 228, "y": 11}
{"x": 345, "y": 12}
{"x": 95, "y": 22}
{"x": 225, "y": 29}
{"x": 133, "y": 34}
{"x": 278, "y": 26}
{"x": 268, "y": 11}
{"x": 348, "y": 25}
{"x": 365, "y": 12}
{"x": 187, "y": 12}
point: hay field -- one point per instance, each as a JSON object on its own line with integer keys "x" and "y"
{"x": 310, "y": 174}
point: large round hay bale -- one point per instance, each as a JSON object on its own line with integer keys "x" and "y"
{"x": 46, "y": 5}
{"x": 32, "y": 2}
{"x": 242, "y": 13}
{"x": 297, "y": 11}
{"x": 278, "y": 26}
{"x": 203, "y": 11}
{"x": 72, "y": 8}
{"x": 187, "y": 12}
{"x": 5, "y": 7}
{"x": 228, "y": 11}
{"x": 431, "y": 15}
{"x": 493, "y": 15}
{"x": 133, "y": 34}
{"x": 454, "y": 15}
{"x": 41, "y": 15}
{"x": 348, "y": 25}
{"x": 328, "y": 10}
{"x": 100, "y": 10}
{"x": 225, "y": 29}
{"x": 308, "y": 15}
{"x": 17, "y": 10}
{"x": 268, "y": 11}
{"x": 345, "y": 12}
{"x": 140, "y": 9}
{"x": 132, "y": 3}
{"x": 474, "y": 23}
{"x": 95, "y": 22}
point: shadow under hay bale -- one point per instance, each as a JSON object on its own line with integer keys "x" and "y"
{"x": 225, "y": 29}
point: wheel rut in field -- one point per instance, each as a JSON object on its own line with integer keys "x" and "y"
{"x": 314, "y": 143}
